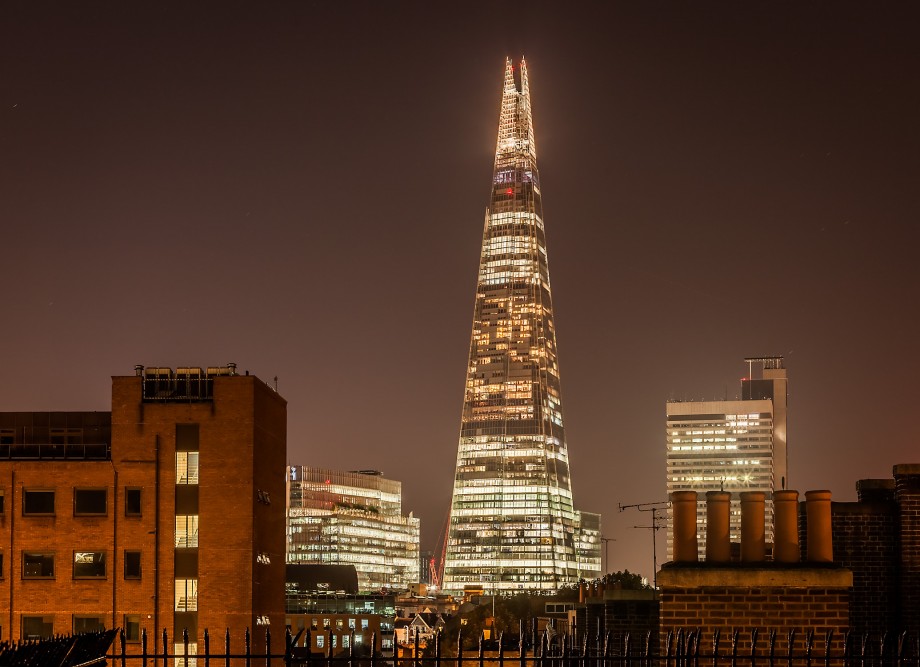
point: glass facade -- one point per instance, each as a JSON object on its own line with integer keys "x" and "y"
{"x": 513, "y": 522}
{"x": 352, "y": 518}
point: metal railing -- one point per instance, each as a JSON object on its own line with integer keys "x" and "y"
{"x": 680, "y": 648}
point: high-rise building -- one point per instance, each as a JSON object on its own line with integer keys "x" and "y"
{"x": 165, "y": 514}
{"x": 513, "y": 522}
{"x": 732, "y": 446}
{"x": 352, "y": 518}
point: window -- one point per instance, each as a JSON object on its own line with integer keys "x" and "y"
{"x": 37, "y": 565}
{"x": 320, "y": 641}
{"x": 66, "y": 436}
{"x": 132, "y": 564}
{"x": 364, "y": 624}
{"x": 7, "y": 436}
{"x": 132, "y": 502}
{"x": 186, "y": 595}
{"x": 37, "y": 502}
{"x": 338, "y": 624}
{"x": 88, "y": 564}
{"x": 186, "y": 467}
{"x": 37, "y": 627}
{"x": 1, "y": 565}
{"x": 132, "y": 628}
{"x": 186, "y": 530}
{"x": 345, "y": 641}
{"x": 90, "y": 502}
{"x": 87, "y": 624}
{"x": 1, "y": 501}
{"x": 351, "y": 623}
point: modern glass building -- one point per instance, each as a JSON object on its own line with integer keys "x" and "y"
{"x": 733, "y": 446}
{"x": 352, "y": 518}
{"x": 513, "y": 524}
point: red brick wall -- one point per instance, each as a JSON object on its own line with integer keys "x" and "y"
{"x": 907, "y": 495}
{"x": 718, "y": 599}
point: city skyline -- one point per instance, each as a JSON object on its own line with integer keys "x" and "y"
{"x": 294, "y": 189}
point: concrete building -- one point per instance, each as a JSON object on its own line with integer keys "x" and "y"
{"x": 352, "y": 518}
{"x": 513, "y": 520}
{"x": 733, "y": 446}
{"x": 166, "y": 513}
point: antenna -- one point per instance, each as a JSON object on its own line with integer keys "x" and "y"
{"x": 654, "y": 508}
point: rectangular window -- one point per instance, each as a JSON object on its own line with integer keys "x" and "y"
{"x": 37, "y": 502}
{"x": 90, "y": 502}
{"x": 1, "y": 501}
{"x": 37, "y": 565}
{"x": 186, "y": 531}
{"x": 351, "y": 623}
{"x": 88, "y": 564}
{"x": 83, "y": 624}
{"x": 66, "y": 436}
{"x": 37, "y": 627}
{"x": 364, "y": 624}
{"x": 320, "y": 641}
{"x": 7, "y": 436}
{"x": 186, "y": 595}
{"x": 345, "y": 641}
{"x": 132, "y": 628}
{"x": 132, "y": 564}
{"x": 186, "y": 467}
{"x": 132, "y": 502}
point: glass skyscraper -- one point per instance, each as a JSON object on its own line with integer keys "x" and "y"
{"x": 352, "y": 518}
{"x": 513, "y": 525}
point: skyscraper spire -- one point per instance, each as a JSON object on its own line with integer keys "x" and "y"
{"x": 513, "y": 524}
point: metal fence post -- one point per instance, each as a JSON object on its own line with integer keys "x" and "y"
{"x": 165, "y": 650}
{"x": 247, "y": 639}
{"x": 227, "y": 648}
{"x": 144, "y": 647}
{"x": 268, "y": 647}
{"x": 207, "y": 648}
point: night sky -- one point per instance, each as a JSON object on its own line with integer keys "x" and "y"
{"x": 299, "y": 188}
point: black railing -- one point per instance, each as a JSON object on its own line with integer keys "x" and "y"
{"x": 681, "y": 648}
{"x": 100, "y": 451}
{"x": 81, "y": 650}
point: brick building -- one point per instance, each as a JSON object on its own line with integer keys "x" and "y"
{"x": 878, "y": 539}
{"x": 166, "y": 513}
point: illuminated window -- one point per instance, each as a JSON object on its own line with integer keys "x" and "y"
{"x": 186, "y": 595}
{"x": 88, "y": 564}
{"x": 186, "y": 531}
{"x": 186, "y": 467}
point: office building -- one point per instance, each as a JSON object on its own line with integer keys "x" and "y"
{"x": 733, "y": 446}
{"x": 513, "y": 521}
{"x": 166, "y": 513}
{"x": 352, "y": 518}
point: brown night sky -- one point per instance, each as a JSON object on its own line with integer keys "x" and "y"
{"x": 299, "y": 188}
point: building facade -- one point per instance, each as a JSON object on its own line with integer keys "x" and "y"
{"x": 735, "y": 446}
{"x": 352, "y": 518}
{"x": 164, "y": 514}
{"x": 513, "y": 521}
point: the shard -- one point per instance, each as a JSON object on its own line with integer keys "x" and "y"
{"x": 513, "y": 524}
